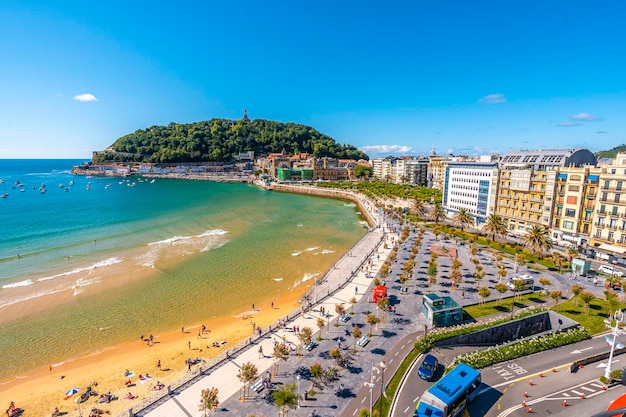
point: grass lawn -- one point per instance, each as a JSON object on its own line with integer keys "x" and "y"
{"x": 594, "y": 319}
{"x": 504, "y": 306}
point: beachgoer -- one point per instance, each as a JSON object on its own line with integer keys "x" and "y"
{"x": 182, "y": 329}
{"x": 159, "y": 364}
{"x": 252, "y": 307}
{"x": 151, "y": 338}
{"x": 189, "y": 344}
{"x": 203, "y": 328}
{"x": 199, "y": 334}
{"x": 272, "y": 304}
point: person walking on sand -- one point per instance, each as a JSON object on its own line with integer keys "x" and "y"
{"x": 252, "y": 307}
{"x": 159, "y": 364}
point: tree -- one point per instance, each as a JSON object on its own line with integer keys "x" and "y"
{"x": 520, "y": 260}
{"x": 586, "y": 297}
{"x": 545, "y": 281}
{"x": 281, "y": 353}
{"x": 320, "y": 324}
{"x": 437, "y": 213}
{"x": 432, "y": 273}
{"x": 559, "y": 261}
{"x": 462, "y": 219}
{"x": 570, "y": 253}
{"x": 419, "y": 207}
{"x": 501, "y": 288}
{"x": 537, "y": 240}
{"x": 502, "y": 272}
{"x": 484, "y": 292}
{"x": 436, "y": 232}
{"x": 455, "y": 277}
{"x": 356, "y": 334}
{"x": 556, "y": 296}
{"x": 285, "y": 398}
{"x": 494, "y": 226}
{"x": 305, "y": 335}
{"x": 382, "y": 305}
{"x": 479, "y": 274}
{"x": 372, "y": 320}
{"x": 576, "y": 290}
{"x": 363, "y": 171}
{"x": 340, "y": 309}
{"x": 316, "y": 374}
{"x": 208, "y": 400}
{"x": 612, "y": 301}
{"x": 247, "y": 374}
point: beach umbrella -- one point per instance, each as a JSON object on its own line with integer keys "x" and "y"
{"x": 71, "y": 392}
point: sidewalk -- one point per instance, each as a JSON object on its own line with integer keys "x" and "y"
{"x": 343, "y": 282}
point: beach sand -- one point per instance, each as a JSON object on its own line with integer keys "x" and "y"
{"x": 40, "y": 391}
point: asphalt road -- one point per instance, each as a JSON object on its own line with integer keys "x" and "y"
{"x": 505, "y": 384}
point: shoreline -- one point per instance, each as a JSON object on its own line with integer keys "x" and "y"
{"x": 81, "y": 371}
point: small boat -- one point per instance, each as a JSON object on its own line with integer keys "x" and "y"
{"x": 72, "y": 183}
{"x": 152, "y": 182}
{"x": 5, "y": 195}
{"x": 22, "y": 190}
{"x": 61, "y": 185}
{"x": 1, "y": 180}
{"x": 88, "y": 187}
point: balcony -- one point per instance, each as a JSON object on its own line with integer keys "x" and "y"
{"x": 599, "y": 225}
{"x": 604, "y": 239}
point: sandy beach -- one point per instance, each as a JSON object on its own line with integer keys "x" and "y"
{"x": 39, "y": 392}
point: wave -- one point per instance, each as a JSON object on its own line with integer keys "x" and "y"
{"x": 24, "y": 283}
{"x": 299, "y": 225}
{"x": 312, "y": 249}
{"x": 175, "y": 239}
{"x": 307, "y": 277}
{"x": 349, "y": 205}
{"x": 326, "y": 251}
{"x": 31, "y": 296}
{"x": 106, "y": 262}
{"x": 277, "y": 279}
{"x": 297, "y": 253}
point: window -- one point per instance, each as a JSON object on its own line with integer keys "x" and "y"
{"x": 617, "y": 198}
{"x": 613, "y": 224}
{"x": 607, "y": 184}
{"x": 619, "y": 185}
{"x": 572, "y": 199}
{"x": 602, "y": 209}
{"x": 574, "y": 188}
{"x": 567, "y": 225}
{"x": 614, "y": 211}
{"x": 570, "y": 213}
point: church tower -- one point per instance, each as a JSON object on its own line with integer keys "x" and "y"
{"x": 245, "y": 118}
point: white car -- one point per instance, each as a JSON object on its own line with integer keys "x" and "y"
{"x": 608, "y": 269}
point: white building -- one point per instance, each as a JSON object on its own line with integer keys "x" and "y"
{"x": 472, "y": 186}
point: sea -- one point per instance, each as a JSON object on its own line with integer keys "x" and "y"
{"x": 87, "y": 263}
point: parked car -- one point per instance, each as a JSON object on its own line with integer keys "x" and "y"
{"x": 427, "y": 369}
{"x": 608, "y": 269}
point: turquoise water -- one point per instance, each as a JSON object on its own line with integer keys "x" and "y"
{"x": 111, "y": 258}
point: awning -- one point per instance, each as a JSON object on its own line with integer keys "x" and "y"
{"x": 612, "y": 248}
{"x": 592, "y": 178}
{"x": 563, "y": 176}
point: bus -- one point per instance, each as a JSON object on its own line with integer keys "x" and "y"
{"x": 449, "y": 396}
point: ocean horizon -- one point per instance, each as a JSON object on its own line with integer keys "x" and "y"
{"x": 108, "y": 259}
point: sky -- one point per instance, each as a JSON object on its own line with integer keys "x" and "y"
{"x": 391, "y": 78}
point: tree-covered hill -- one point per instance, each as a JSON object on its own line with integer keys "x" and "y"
{"x": 220, "y": 140}
{"x": 611, "y": 153}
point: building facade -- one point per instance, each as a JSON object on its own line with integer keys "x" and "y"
{"x": 527, "y": 182}
{"x": 472, "y": 186}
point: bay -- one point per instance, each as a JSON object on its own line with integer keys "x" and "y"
{"x": 96, "y": 263}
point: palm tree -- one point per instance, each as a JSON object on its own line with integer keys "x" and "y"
{"x": 419, "y": 207}
{"x": 494, "y": 226}
{"x": 559, "y": 261}
{"x": 587, "y": 297}
{"x": 569, "y": 254}
{"x": 537, "y": 240}
{"x": 462, "y": 219}
{"x": 208, "y": 400}
{"x": 438, "y": 213}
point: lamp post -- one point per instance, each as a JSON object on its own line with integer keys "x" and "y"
{"x": 371, "y": 385}
{"x": 382, "y": 365}
{"x": 618, "y": 316}
{"x": 298, "y": 379}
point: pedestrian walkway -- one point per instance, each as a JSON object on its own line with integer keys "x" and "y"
{"x": 347, "y": 281}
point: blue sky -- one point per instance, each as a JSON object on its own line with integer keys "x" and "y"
{"x": 394, "y": 77}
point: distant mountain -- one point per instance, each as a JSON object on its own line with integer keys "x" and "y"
{"x": 221, "y": 140}
{"x": 611, "y": 153}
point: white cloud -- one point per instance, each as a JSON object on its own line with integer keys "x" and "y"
{"x": 568, "y": 124}
{"x": 85, "y": 97}
{"x": 493, "y": 99}
{"x": 387, "y": 149}
{"x": 586, "y": 117}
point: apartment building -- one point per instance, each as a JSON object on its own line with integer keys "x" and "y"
{"x": 470, "y": 185}
{"x": 412, "y": 170}
{"x": 384, "y": 168}
{"x": 576, "y": 191}
{"x": 608, "y": 233}
{"x": 527, "y": 183}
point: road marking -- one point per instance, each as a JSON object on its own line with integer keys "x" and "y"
{"x": 596, "y": 385}
{"x": 577, "y": 351}
{"x": 403, "y": 346}
{"x": 406, "y": 410}
{"x": 566, "y": 394}
{"x": 396, "y": 354}
{"x": 416, "y": 398}
{"x": 355, "y": 411}
{"x": 588, "y": 389}
{"x": 577, "y": 392}
{"x": 363, "y": 400}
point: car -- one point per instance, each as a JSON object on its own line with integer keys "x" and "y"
{"x": 608, "y": 269}
{"x": 427, "y": 369}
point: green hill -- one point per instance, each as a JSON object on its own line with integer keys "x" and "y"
{"x": 221, "y": 140}
{"x": 611, "y": 153}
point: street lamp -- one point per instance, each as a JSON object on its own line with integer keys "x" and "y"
{"x": 382, "y": 365}
{"x": 618, "y": 316}
{"x": 371, "y": 385}
{"x": 298, "y": 379}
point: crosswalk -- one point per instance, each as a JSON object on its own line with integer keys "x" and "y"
{"x": 588, "y": 389}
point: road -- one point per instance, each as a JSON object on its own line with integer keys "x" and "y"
{"x": 505, "y": 384}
